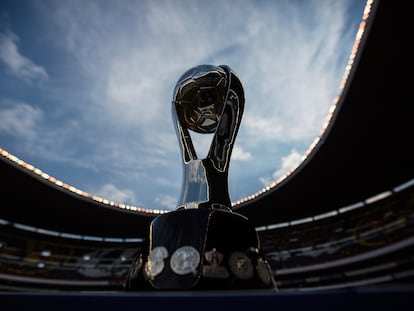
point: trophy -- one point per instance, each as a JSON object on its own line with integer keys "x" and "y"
{"x": 203, "y": 244}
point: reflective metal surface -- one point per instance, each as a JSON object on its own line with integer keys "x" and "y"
{"x": 185, "y": 260}
{"x": 212, "y": 247}
{"x": 155, "y": 263}
{"x": 214, "y": 267}
{"x": 241, "y": 265}
{"x": 207, "y": 99}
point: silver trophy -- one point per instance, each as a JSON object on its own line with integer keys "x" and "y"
{"x": 203, "y": 244}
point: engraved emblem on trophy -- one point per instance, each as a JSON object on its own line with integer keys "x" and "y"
{"x": 214, "y": 267}
{"x": 203, "y": 244}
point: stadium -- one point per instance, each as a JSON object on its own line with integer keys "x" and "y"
{"x": 339, "y": 227}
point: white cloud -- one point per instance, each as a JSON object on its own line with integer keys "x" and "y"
{"x": 261, "y": 128}
{"x": 167, "y": 201}
{"x": 239, "y": 154}
{"x": 292, "y": 71}
{"x": 111, "y": 192}
{"x": 19, "y": 119}
{"x": 19, "y": 65}
{"x": 135, "y": 63}
{"x": 288, "y": 163}
{"x": 133, "y": 52}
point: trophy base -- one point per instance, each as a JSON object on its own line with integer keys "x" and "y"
{"x": 200, "y": 249}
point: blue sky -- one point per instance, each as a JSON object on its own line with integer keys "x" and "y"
{"x": 86, "y": 86}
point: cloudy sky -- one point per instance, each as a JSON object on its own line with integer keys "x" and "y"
{"x": 86, "y": 86}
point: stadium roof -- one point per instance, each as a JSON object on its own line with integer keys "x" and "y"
{"x": 365, "y": 150}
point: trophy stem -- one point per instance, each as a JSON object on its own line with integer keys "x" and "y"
{"x": 204, "y": 186}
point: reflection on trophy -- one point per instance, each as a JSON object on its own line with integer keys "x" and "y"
{"x": 203, "y": 244}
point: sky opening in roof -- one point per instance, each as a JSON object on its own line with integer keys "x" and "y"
{"x": 86, "y": 86}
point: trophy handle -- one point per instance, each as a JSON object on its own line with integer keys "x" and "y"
{"x": 187, "y": 150}
{"x": 229, "y": 123}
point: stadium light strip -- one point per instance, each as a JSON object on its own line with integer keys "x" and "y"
{"x": 70, "y": 235}
{"x": 66, "y": 187}
{"x": 342, "y": 210}
{"x": 52, "y": 281}
{"x": 348, "y": 260}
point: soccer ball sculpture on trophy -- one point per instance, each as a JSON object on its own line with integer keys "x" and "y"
{"x": 203, "y": 244}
